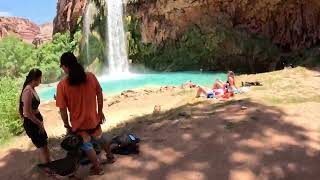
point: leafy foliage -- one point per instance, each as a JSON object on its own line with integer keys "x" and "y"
{"x": 94, "y": 51}
{"x": 221, "y": 48}
{"x": 138, "y": 52}
{"x": 10, "y": 123}
{"x": 16, "y": 59}
{"x": 48, "y": 55}
{"x": 308, "y": 57}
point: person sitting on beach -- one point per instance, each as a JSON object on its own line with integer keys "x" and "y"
{"x": 230, "y": 84}
{"x": 210, "y": 92}
{"x": 219, "y": 88}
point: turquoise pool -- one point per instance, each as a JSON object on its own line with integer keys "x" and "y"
{"x": 118, "y": 83}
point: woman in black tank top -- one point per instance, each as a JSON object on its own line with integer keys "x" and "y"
{"x": 32, "y": 119}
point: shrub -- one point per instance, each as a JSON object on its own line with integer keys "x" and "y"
{"x": 10, "y": 122}
{"x": 16, "y": 60}
{"x": 221, "y": 48}
{"x": 15, "y": 57}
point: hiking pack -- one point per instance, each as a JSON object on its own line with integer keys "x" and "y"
{"x": 124, "y": 144}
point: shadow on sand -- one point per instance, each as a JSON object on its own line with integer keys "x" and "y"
{"x": 237, "y": 139}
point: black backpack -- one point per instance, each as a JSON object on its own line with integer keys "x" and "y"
{"x": 125, "y": 144}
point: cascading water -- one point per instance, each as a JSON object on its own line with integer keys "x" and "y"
{"x": 86, "y": 27}
{"x": 117, "y": 48}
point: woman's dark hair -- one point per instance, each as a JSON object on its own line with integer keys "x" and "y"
{"x": 76, "y": 74}
{"x": 33, "y": 74}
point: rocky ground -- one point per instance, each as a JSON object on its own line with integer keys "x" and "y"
{"x": 271, "y": 132}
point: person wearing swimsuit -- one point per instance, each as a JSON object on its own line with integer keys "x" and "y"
{"x": 230, "y": 84}
{"x": 32, "y": 118}
{"x": 219, "y": 87}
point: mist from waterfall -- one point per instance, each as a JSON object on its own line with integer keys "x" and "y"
{"x": 117, "y": 47}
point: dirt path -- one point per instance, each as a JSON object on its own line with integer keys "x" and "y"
{"x": 257, "y": 135}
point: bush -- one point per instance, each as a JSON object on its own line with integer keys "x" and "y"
{"x": 10, "y": 122}
{"x": 18, "y": 57}
{"x": 221, "y": 48}
{"x": 48, "y": 55}
{"x": 16, "y": 60}
{"x": 15, "y": 57}
{"x": 308, "y": 58}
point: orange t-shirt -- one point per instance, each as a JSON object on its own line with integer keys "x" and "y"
{"x": 81, "y": 101}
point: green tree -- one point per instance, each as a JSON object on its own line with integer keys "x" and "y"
{"x": 48, "y": 55}
{"x": 15, "y": 57}
{"x": 16, "y": 60}
{"x": 10, "y": 123}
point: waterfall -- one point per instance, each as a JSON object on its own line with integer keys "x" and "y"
{"x": 86, "y": 27}
{"x": 117, "y": 47}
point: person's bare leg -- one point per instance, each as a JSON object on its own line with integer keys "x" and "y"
{"x": 107, "y": 148}
{"x": 105, "y": 145}
{"x": 45, "y": 154}
{"x": 218, "y": 84}
{"x": 200, "y": 91}
{"x": 92, "y": 156}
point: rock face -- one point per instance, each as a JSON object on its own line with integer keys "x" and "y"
{"x": 25, "y": 29}
{"x": 173, "y": 35}
{"x": 46, "y": 31}
{"x": 291, "y": 24}
{"x": 65, "y": 8}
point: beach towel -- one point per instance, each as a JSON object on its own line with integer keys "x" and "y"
{"x": 243, "y": 89}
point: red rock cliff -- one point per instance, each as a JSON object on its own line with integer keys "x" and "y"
{"x": 23, "y": 28}
{"x": 46, "y": 32}
{"x": 65, "y": 8}
{"x": 291, "y": 24}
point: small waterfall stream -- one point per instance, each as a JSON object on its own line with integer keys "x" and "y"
{"x": 86, "y": 27}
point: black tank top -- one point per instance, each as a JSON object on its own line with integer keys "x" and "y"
{"x": 35, "y": 103}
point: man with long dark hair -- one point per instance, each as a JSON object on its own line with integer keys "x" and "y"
{"x": 79, "y": 93}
